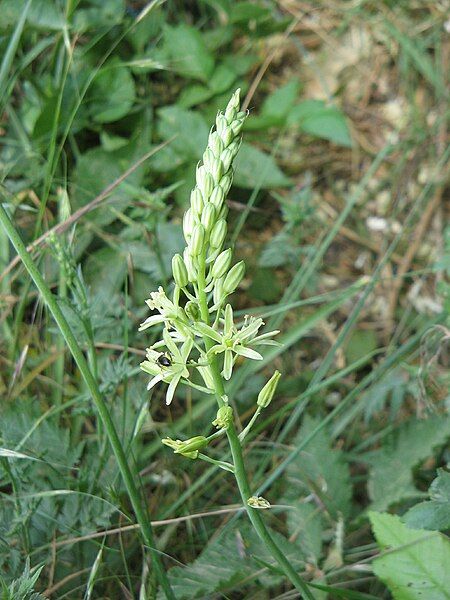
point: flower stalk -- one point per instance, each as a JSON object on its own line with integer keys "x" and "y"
{"x": 200, "y": 336}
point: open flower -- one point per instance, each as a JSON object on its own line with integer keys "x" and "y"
{"x": 169, "y": 312}
{"x": 235, "y": 342}
{"x": 170, "y": 368}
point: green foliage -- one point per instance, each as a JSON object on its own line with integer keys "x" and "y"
{"x": 391, "y": 477}
{"x": 414, "y": 563}
{"x": 22, "y": 588}
{"x": 318, "y": 119}
{"x": 435, "y": 513}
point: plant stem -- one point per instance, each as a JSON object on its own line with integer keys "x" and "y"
{"x": 238, "y": 459}
{"x": 103, "y": 410}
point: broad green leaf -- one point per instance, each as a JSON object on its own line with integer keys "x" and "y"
{"x": 112, "y": 94}
{"x": 189, "y": 127}
{"x": 105, "y": 270}
{"x": 280, "y": 102}
{"x": 434, "y": 514}
{"x": 98, "y": 13}
{"x": 318, "y": 119}
{"x": 43, "y": 14}
{"x": 321, "y": 470}
{"x": 188, "y": 53}
{"x": 390, "y": 479}
{"x": 255, "y": 168}
{"x": 416, "y": 563}
{"x": 304, "y": 522}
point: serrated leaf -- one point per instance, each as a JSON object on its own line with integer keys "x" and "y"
{"x": 390, "y": 479}
{"x": 415, "y": 566}
{"x": 318, "y": 119}
{"x": 434, "y": 514}
{"x": 255, "y": 168}
{"x": 188, "y": 53}
{"x": 322, "y": 470}
{"x": 304, "y": 524}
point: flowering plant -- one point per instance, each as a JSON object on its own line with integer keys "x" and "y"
{"x": 199, "y": 331}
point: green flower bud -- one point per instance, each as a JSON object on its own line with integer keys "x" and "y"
{"x": 191, "y": 268}
{"x": 196, "y": 443}
{"x": 208, "y": 158}
{"x": 267, "y": 393}
{"x": 217, "y": 170}
{"x": 180, "y": 274}
{"x": 192, "y": 310}
{"x": 234, "y": 147}
{"x": 227, "y": 136}
{"x": 233, "y": 106}
{"x": 225, "y": 182}
{"x": 224, "y": 417}
{"x": 218, "y": 290}
{"x": 221, "y": 124}
{"x": 208, "y": 217}
{"x": 215, "y": 144}
{"x": 188, "y": 224}
{"x": 221, "y": 264}
{"x": 234, "y": 278}
{"x": 197, "y": 240}
{"x": 226, "y": 157}
{"x": 206, "y": 184}
{"x": 197, "y": 201}
{"x": 258, "y": 502}
{"x": 217, "y": 197}
{"x": 236, "y": 126}
{"x": 218, "y": 234}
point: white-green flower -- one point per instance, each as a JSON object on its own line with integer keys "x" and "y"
{"x": 169, "y": 313}
{"x": 171, "y": 373}
{"x": 233, "y": 342}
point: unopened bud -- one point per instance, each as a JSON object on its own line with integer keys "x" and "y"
{"x": 267, "y": 393}
{"x": 236, "y": 126}
{"x": 195, "y": 443}
{"x": 180, "y": 274}
{"x": 233, "y": 106}
{"x": 224, "y": 417}
{"x": 192, "y": 310}
{"x": 234, "y": 278}
{"x": 208, "y": 158}
{"x": 225, "y": 182}
{"x": 221, "y": 124}
{"x": 191, "y": 268}
{"x": 197, "y": 201}
{"x": 234, "y": 147}
{"x": 206, "y": 184}
{"x": 218, "y": 291}
{"x": 215, "y": 144}
{"x": 227, "y": 136}
{"x": 217, "y": 197}
{"x": 218, "y": 234}
{"x": 221, "y": 264}
{"x": 196, "y": 241}
{"x": 188, "y": 224}
{"x": 217, "y": 170}
{"x": 208, "y": 217}
{"x": 226, "y": 157}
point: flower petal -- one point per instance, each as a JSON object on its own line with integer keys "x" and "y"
{"x": 154, "y": 381}
{"x": 171, "y": 389}
{"x": 204, "y": 329}
{"x": 151, "y": 321}
{"x": 247, "y": 352}
{"x": 227, "y": 365}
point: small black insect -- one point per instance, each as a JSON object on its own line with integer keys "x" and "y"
{"x": 164, "y": 360}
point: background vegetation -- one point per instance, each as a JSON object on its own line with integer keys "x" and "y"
{"x": 338, "y": 208}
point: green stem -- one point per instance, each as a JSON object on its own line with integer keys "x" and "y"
{"x": 238, "y": 459}
{"x": 103, "y": 410}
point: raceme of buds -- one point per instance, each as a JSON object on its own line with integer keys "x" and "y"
{"x": 268, "y": 391}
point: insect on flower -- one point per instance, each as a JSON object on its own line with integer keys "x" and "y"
{"x": 164, "y": 360}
